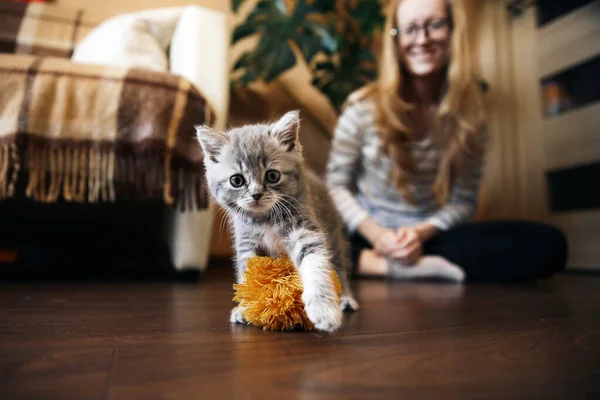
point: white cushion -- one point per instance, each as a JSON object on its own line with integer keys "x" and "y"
{"x": 137, "y": 40}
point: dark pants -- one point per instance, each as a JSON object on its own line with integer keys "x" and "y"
{"x": 495, "y": 251}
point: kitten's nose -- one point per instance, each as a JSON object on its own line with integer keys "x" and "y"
{"x": 257, "y": 196}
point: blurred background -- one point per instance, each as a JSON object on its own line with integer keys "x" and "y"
{"x": 540, "y": 60}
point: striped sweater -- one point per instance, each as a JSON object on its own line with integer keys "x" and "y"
{"x": 357, "y": 176}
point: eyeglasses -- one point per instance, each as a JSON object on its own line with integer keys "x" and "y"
{"x": 436, "y": 29}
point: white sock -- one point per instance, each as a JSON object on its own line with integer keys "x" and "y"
{"x": 426, "y": 268}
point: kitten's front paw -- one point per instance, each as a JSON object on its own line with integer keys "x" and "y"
{"x": 326, "y": 315}
{"x": 237, "y": 315}
{"x": 349, "y": 304}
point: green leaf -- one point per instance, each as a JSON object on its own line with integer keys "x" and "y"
{"x": 280, "y": 5}
{"x": 324, "y": 6}
{"x": 243, "y": 30}
{"x": 338, "y": 90}
{"x": 276, "y": 58}
{"x": 272, "y": 56}
{"x": 322, "y": 31}
{"x": 264, "y": 18}
{"x": 264, "y": 5}
{"x": 369, "y": 15}
{"x": 235, "y": 5}
{"x": 325, "y": 65}
{"x": 264, "y": 13}
{"x": 309, "y": 46}
{"x": 367, "y": 55}
{"x": 300, "y": 12}
{"x": 243, "y": 62}
{"x": 247, "y": 78}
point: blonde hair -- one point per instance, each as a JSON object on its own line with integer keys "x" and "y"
{"x": 460, "y": 115}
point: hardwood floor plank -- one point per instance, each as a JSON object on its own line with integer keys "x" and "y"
{"x": 75, "y": 373}
{"x": 409, "y": 340}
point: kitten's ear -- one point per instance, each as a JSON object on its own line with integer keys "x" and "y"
{"x": 212, "y": 142}
{"x": 286, "y": 129}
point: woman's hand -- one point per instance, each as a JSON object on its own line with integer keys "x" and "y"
{"x": 383, "y": 240}
{"x": 386, "y": 243}
{"x": 425, "y": 231}
{"x": 410, "y": 245}
{"x": 405, "y": 244}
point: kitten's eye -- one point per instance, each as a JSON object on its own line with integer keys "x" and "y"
{"x": 273, "y": 176}
{"x": 237, "y": 180}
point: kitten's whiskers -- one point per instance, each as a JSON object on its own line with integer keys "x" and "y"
{"x": 280, "y": 197}
{"x": 288, "y": 203}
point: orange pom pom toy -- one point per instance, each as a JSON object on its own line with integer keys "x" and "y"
{"x": 272, "y": 294}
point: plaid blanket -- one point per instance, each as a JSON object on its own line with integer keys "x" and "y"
{"x": 43, "y": 30}
{"x": 96, "y": 133}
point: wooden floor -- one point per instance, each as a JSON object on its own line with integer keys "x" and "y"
{"x": 409, "y": 341}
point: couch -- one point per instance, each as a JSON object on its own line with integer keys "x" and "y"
{"x": 105, "y": 148}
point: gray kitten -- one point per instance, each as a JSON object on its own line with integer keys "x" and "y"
{"x": 278, "y": 207}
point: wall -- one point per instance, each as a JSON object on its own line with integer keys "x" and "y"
{"x": 113, "y": 7}
{"x": 567, "y": 141}
{"x": 530, "y": 145}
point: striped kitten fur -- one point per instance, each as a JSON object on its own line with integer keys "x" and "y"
{"x": 279, "y": 207}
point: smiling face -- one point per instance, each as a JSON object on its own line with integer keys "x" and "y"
{"x": 423, "y": 35}
{"x": 254, "y": 170}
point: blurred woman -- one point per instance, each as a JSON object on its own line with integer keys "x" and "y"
{"x": 406, "y": 163}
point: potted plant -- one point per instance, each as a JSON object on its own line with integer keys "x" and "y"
{"x": 335, "y": 38}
